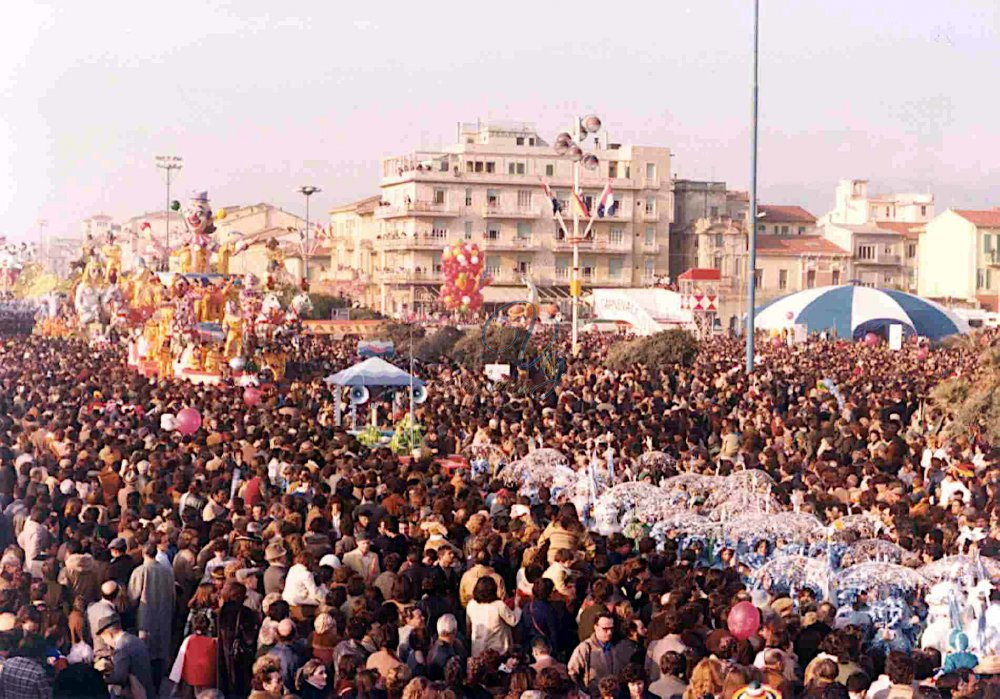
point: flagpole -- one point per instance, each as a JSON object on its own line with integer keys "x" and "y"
{"x": 575, "y": 285}
{"x": 752, "y": 223}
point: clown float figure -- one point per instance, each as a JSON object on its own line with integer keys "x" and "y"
{"x": 193, "y": 255}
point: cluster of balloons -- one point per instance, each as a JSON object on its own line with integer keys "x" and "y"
{"x": 462, "y": 265}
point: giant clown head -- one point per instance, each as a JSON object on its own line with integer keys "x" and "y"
{"x": 198, "y": 214}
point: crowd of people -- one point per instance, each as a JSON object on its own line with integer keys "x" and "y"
{"x": 270, "y": 554}
{"x": 17, "y": 317}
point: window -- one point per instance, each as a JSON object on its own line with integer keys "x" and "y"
{"x": 468, "y": 230}
{"x": 587, "y": 271}
{"x": 628, "y": 171}
{"x": 550, "y": 170}
{"x": 717, "y": 262}
{"x": 562, "y": 269}
{"x": 614, "y": 268}
{"x": 758, "y": 278}
{"x": 439, "y": 228}
{"x": 713, "y": 212}
{"x": 524, "y": 267}
{"x": 439, "y": 196}
{"x": 784, "y": 230}
{"x": 470, "y": 166}
{"x": 718, "y": 240}
{"x": 811, "y": 279}
{"x": 613, "y": 168}
{"x": 493, "y": 233}
{"x": 616, "y": 236}
{"x": 887, "y": 211}
{"x": 911, "y": 250}
{"x": 523, "y": 231}
{"x": 866, "y": 252}
{"x": 524, "y": 198}
{"x": 802, "y": 230}
{"x": 651, "y": 206}
{"x": 981, "y": 279}
{"x": 588, "y": 201}
{"x": 515, "y": 168}
{"x": 649, "y": 268}
{"x": 491, "y": 166}
{"x": 761, "y": 228}
{"x": 510, "y": 168}
{"x": 923, "y": 210}
{"x": 531, "y": 141}
{"x": 650, "y": 235}
{"x": 835, "y": 277}
{"x": 436, "y": 261}
{"x": 479, "y": 166}
{"x": 650, "y": 171}
{"x": 782, "y": 279}
{"x": 492, "y": 197}
{"x": 519, "y": 140}
{"x": 888, "y": 249}
{"x": 468, "y": 196}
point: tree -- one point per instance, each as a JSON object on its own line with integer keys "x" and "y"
{"x": 974, "y": 400}
{"x": 669, "y": 347}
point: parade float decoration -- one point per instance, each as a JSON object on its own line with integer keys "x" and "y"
{"x": 462, "y": 267}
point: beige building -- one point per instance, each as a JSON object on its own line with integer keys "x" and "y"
{"x": 137, "y": 240}
{"x": 353, "y": 255}
{"x": 773, "y": 219}
{"x": 486, "y": 189}
{"x": 785, "y": 263}
{"x": 960, "y": 250}
{"x": 857, "y": 221}
{"x": 254, "y": 225}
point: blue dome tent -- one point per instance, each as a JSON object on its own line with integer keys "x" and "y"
{"x": 854, "y": 311}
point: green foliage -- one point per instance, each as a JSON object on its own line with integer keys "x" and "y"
{"x": 323, "y": 305}
{"x": 975, "y": 401}
{"x": 370, "y": 437}
{"x": 365, "y": 314}
{"x": 661, "y": 349}
{"x": 501, "y": 345}
{"x": 406, "y": 437}
{"x": 399, "y": 335}
{"x": 437, "y": 344}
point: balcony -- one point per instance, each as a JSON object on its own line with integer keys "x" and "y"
{"x": 599, "y": 245}
{"x": 992, "y": 257}
{"x": 651, "y": 248}
{"x": 650, "y": 215}
{"x": 435, "y": 240}
{"x": 414, "y": 208}
{"x": 882, "y": 260}
{"x": 650, "y": 182}
{"x": 515, "y": 243}
{"x": 501, "y": 211}
{"x": 407, "y": 276}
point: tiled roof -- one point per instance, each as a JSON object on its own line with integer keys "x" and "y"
{"x": 989, "y": 218}
{"x": 781, "y": 214}
{"x": 910, "y": 231}
{"x": 797, "y": 245}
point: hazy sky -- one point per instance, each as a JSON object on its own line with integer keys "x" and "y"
{"x": 260, "y": 100}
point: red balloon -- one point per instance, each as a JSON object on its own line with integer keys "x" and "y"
{"x": 188, "y": 421}
{"x": 871, "y": 339}
{"x": 743, "y": 621}
{"x": 251, "y": 396}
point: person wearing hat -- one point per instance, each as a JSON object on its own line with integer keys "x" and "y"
{"x": 277, "y": 568}
{"x": 129, "y": 664}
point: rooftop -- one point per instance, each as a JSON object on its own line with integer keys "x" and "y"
{"x": 989, "y": 218}
{"x": 910, "y": 231}
{"x": 797, "y": 245}
{"x": 782, "y": 213}
{"x": 361, "y": 206}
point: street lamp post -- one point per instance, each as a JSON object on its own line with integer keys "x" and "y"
{"x": 169, "y": 163}
{"x": 308, "y": 191}
{"x": 752, "y": 220}
{"x": 567, "y": 144}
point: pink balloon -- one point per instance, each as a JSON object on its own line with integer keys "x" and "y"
{"x": 188, "y": 421}
{"x": 251, "y": 396}
{"x": 871, "y": 339}
{"x": 922, "y": 353}
{"x": 743, "y": 621}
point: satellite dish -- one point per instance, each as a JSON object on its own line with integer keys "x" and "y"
{"x": 419, "y": 394}
{"x": 576, "y": 153}
{"x": 591, "y": 124}
{"x": 590, "y": 162}
{"x": 359, "y": 394}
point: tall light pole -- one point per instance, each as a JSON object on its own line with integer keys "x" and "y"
{"x": 168, "y": 163}
{"x": 567, "y": 144}
{"x": 42, "y": 223}
{"x": 752, "y": 220}
{"x": 308, "y": 190}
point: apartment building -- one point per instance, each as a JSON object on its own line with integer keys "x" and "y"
{"x": 485, "y": 188}
{"x": 887, "y": 260}
{"x": 961, "y": 254}
{"x": 353, "y": 257}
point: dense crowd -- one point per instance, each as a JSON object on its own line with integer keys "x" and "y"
{"x": 270, "y": 554}
{"x": 17, "y": 317}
